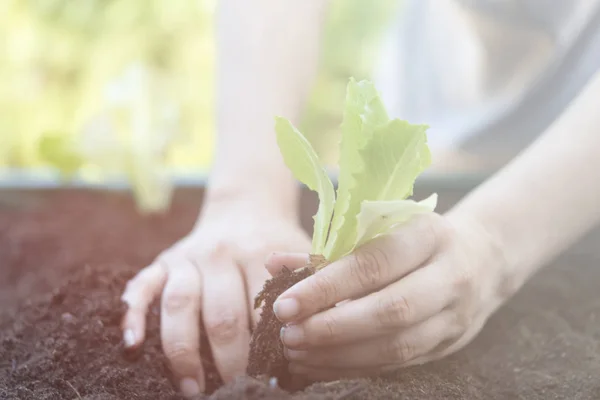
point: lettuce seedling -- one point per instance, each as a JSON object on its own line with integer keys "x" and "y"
{"x": 380, "y": 160}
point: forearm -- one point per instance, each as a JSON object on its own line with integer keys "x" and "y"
{"x": 549, "y": 196}
{"x": 267, "y": 59}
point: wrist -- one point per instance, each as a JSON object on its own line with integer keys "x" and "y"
{"x": 501, "y": 276}
{"x": 279, "y": 194}
{"x": 510, "y": 262}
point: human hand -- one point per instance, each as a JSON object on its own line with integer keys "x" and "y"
{"x": 216, "y": 271}
{"x": 413, "y": 296}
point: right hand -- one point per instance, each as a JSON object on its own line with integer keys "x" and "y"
{"x": 216, "y": 271}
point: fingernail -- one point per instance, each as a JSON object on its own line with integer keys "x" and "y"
{"x": 189, "y": 387}
{"x": 292, "y": 335}
{"x": 294, "y": 355}
{"x": 286, "y": 309}
{"x": 129, "y": 338}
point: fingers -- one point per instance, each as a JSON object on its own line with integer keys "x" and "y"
{"x": 140, "y": 291}
{"x": 179, "y": 326}
{"x": 179, "y": 317}
{"x": 369, "y": 268}
{"x": 276, "y": 262}
{"x": 397, "y": 348}
{"x": 226, "y": 319}
{"x": 413, "y": 299}
{"x": 468, "y": 329}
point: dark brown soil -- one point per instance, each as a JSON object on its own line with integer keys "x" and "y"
{"x": 64, "y": 264}
{"x": 266, "y": 357}
{"x": 64, "y": 259}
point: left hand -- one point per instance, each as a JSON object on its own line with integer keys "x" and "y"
{"x": 212, "y": 275}
{"x": 406, "y": 298}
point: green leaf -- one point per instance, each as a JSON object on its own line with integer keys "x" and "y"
{"x": 391, "y": 161}
{"x": 394, "y": 158}
{"x": 363, "y": 113}
{"x": 378, "y": 218}
{"x": 380, "y": 160}
{"x": 302, "y": 160}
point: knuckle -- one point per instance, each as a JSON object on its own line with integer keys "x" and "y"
{"x": 324, "y": 288}
{"x": 140, "y": 284}
{"x": 180, "y": 354}
{"x": 463, "y": 322}
{"x": 463, "y": 280}
{"x": 226, "y": 249}
{"x": 132, "y": 283}
{"x": 176, "y": 301}
{"x": 224, "y": 328}
{"x": 444, "y": 345}
{"x": 136, "y": 283}
{"x": 218, "y": 251}
{"x": 393, "y": 311}
{"x": 400, "y": 350}
{"x": 127, "y": 295}
{"x": 205, "y": 253}
{"x": 435, "y": 230}
{"x": 250, "y": 255}
{"x": 368, "y": 266}
{"x": 329, "y": 330}
{"x": 169, "y": 257}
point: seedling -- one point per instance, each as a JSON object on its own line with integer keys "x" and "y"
{"x": 380, "y": 160}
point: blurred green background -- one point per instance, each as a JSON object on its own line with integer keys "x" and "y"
{"x": 101, "y": 88}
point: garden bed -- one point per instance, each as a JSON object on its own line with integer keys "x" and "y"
{"x": 66, "y": 255}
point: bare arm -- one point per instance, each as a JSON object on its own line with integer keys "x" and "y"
{"x": 549, "y": 196}
{"x": 267, "y": 56}
{"x": 425, "y": 290}
{"x": 267, "y": 59}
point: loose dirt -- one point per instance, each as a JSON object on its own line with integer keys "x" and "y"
{"x": 266, "y": 358}
{"x": 65, "y": 257}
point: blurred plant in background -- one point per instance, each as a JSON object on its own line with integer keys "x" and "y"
{"x": 105, "y": 88}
